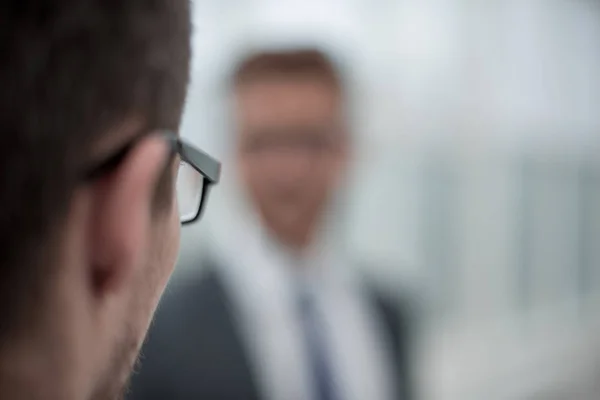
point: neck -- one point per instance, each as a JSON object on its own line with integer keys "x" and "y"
{"x": 36, "y": 370}
{"x": 294, "y": 245}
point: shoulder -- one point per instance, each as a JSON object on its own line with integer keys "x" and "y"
{"x": 395, "y": 299}
{"x": 182, "y": 314}
{"x": 394, "y": 309}
{"x": 188, "y": 295}
{"x": 397, "y": 309}
{"x": 392, "y": 292}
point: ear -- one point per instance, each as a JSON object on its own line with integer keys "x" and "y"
{"x": 121, "y": 216}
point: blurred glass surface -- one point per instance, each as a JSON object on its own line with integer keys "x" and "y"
{"x": 477, "y": 180}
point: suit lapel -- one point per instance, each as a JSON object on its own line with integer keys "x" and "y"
{"x": 395, "y": 323}
{"x": 221, "y": 350}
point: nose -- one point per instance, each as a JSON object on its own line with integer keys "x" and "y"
{"x": 292, "y": 166}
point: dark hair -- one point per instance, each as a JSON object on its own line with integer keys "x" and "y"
{"x": 288, "y": 64}
{"x": 70, "y": 72}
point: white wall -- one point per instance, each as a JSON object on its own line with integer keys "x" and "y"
{"x": 454, "y": 100}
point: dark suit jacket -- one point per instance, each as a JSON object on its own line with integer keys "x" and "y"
{"x": 193, "y": 350}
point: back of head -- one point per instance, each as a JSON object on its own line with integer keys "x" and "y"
{"x": 72, "y": 72}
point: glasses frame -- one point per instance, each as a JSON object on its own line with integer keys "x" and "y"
{"x": 203, "y": 163}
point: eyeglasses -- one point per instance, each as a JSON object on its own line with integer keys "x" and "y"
{"x": 196, "y": 174}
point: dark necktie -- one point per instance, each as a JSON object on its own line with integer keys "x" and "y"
{"x": 316, "y": 347}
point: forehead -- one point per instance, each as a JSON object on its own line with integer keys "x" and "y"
{"x": 301, "y": 100}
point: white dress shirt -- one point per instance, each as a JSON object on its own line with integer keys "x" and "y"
{"x": 262, "y": 277}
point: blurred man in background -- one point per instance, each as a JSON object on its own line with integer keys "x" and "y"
{"x": 89, "y": 230}
{"x": 279, "y": 314}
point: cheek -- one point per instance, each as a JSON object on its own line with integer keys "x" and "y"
{"x": 172, "y": 240}
{"x": 152, "y": 280}
{"x": 324, "y": 182}
{"x": 253, "y": 175}
{"x": 165, "y": 248}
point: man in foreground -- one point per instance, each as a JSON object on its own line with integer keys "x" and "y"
{"x": 280, "y": 313}
{"x": 91, "y": 101}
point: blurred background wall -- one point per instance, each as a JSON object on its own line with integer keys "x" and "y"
{"x": 477, "y": 181}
